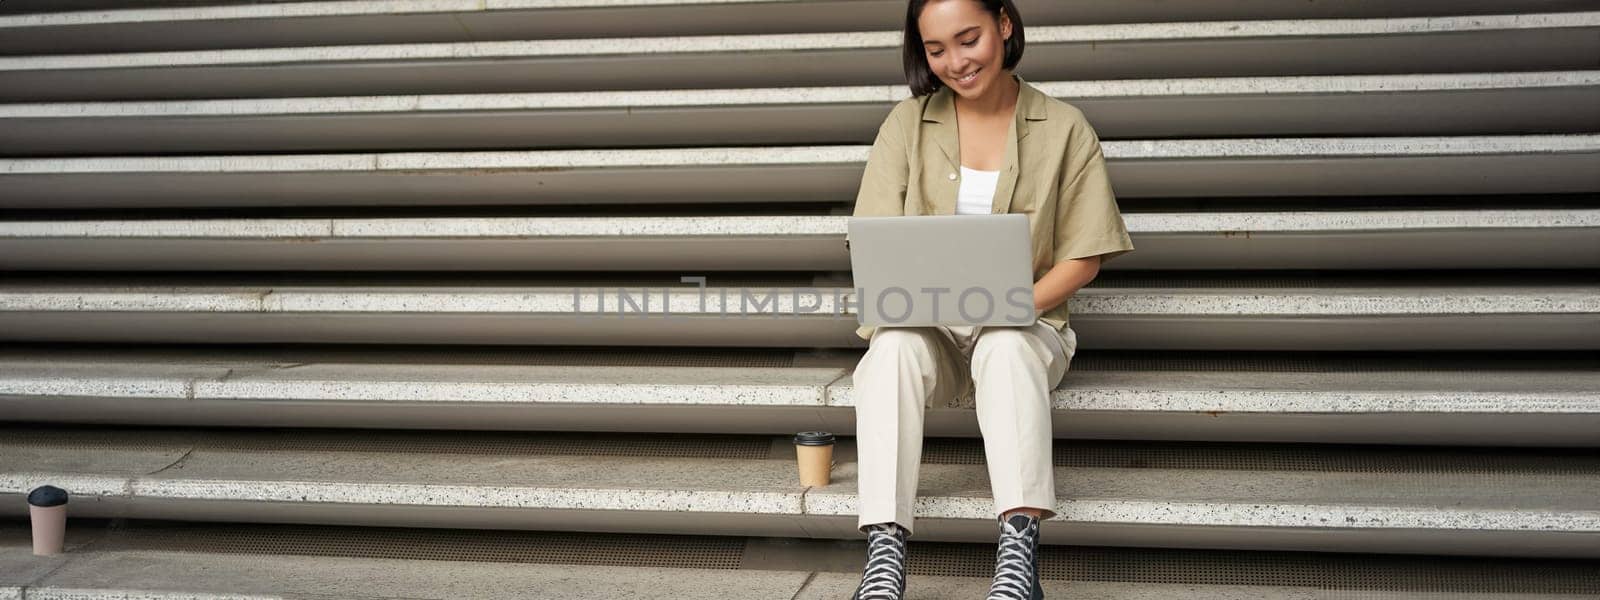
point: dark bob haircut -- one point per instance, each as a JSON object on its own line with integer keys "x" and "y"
{"x": 920, "y": 76}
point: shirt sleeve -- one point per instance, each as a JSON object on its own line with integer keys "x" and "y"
{"x": 883, "y": 184}
{"x": 1088, "y": 222}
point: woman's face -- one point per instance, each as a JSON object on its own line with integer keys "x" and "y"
{"x": 964, "y": 45}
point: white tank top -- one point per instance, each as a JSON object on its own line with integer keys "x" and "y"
{"x": 977, "y": 191}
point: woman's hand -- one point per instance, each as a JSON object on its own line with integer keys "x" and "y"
{"x": 1062, "y": 281}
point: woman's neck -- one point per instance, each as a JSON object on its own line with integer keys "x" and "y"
{"x": 999, "y": 101}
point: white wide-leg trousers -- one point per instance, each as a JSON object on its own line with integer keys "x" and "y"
{"x": 1009, "y": 370}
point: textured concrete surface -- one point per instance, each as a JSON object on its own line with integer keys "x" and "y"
{"x": 597, "y": 100}
{"x": 1319, "y": 84}
{"x": 1555, "y": 317}
{"x": 255, "y": 480}
{"x": 170, "y": 575}
{"x": 160, "y": 575}
{"x": 1273, "y": 167}
{"x": 580, "y": 300}
{"x": 541, "y": 483}
{"x": 800, "y": 42}
{"x": 287, "y": 300}
{"x": 167, "y": 575}
{"x": 830, "y": 586}
{"x": 522, "y": 228}
{"x": 1484, "y": 391}
{"x": 19, "y": 567}
{"x": 1476, "y": 405}
{"x": 1121, "y": 109}
{"x": 721, "y": 386}
{"x": 281, "y": 11}
{"x": 439, "y": 161}
{"x": 491, "y": 227}
{"x": 881, "y": 12}
{"x": 1262, "y": 499}
{"x": 814, "y": 155}
{"x": 1266, "y": 223}
{"x": 106, "y": 561}
{"x": 1069, "y": 91}
{"x": 90, "y": 14}
{"x": 1409, "y": 239}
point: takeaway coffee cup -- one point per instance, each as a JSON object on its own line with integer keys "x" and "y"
{"x": 47, "y": 508}
{"x": 815, "y": 452}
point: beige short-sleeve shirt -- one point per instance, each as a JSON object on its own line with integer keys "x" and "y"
{"x": 1054, "y": 172}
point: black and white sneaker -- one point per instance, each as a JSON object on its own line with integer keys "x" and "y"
{"x": 884, "y": 577}
{"x": 1016, "y": 561}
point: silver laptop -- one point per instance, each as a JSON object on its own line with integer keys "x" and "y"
{"x": 942, "y": 270}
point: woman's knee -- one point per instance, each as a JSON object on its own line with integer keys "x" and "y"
{"x": 1004, "y": 344}
{"x": 901, "y": 339}
{"x": 898, "y": 348}
{"x": 1007, "y": 340}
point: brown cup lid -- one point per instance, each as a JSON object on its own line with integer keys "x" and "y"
{"x": 813, "y": 438}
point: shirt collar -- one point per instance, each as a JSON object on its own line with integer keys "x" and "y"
{"x": 941, "y": 111}
{"x": 1030, "y": 104}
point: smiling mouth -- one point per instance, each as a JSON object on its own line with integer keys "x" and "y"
{"x": 971, "y": 77}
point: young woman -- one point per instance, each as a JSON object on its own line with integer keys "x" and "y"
{"x": 977, "y": 139}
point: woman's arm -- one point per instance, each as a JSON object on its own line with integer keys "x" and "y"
{"x": 1063, "y": 280}
{"x": 1088, "y": 226}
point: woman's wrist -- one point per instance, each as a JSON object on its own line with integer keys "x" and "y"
{"x": 1041, "y": 307}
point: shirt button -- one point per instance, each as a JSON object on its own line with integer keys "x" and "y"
{"x": 952, "y": 177}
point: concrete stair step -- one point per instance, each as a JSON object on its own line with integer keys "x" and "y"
{"x": 679, "y": 426}
{"x": 1538, "y": 506}
{"x": 108, "y": 26}
{"x": 1526, "y": 164}
{"x": 1172, "y": 311}
{"x": 161, "y": 560}
{"x": 1387, "y": 239}
{"x": 1410, "y": 104}
{"x": 1471, "y": 399}
{"x": 1519, "y": 42}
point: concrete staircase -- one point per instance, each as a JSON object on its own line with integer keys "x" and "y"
{"x": 317, "y": 288}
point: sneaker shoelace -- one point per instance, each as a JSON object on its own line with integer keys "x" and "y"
{"x": 1013, "y": 569}
{"x": 884, "y": 576}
